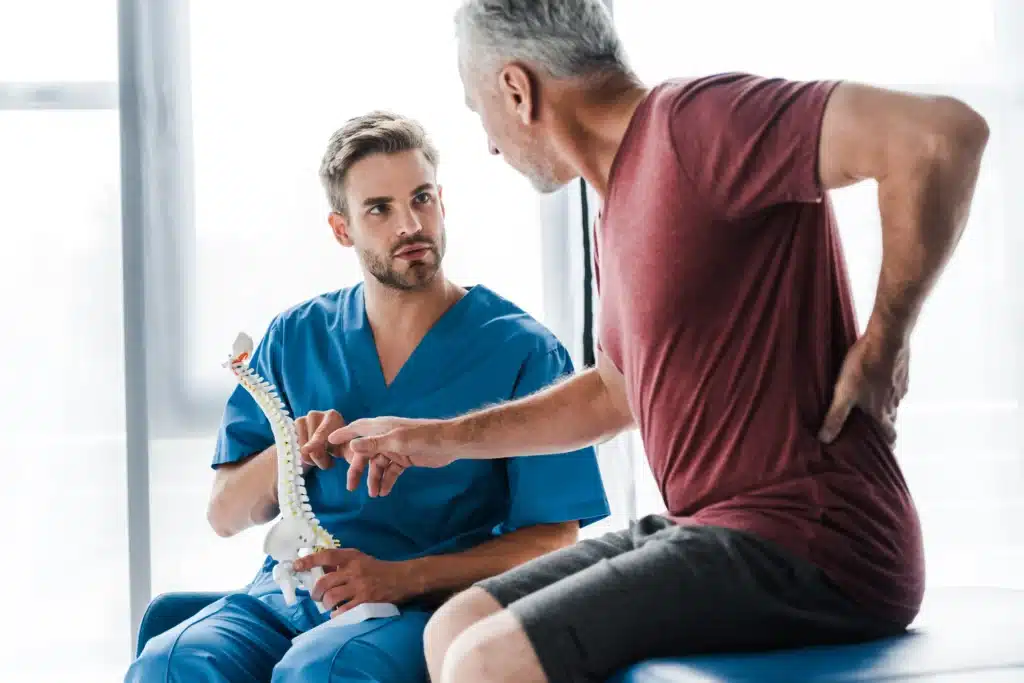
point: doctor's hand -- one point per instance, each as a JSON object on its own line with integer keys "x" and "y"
{"x": 352, "y": 578}
{"x": 387, "y": 446}
{"x": 312, "y": 430}
{"x": 874, "y": 377}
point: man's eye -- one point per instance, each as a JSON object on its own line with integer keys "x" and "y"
{"x": 378, "y": 209}
{"x": 423, "y": 198}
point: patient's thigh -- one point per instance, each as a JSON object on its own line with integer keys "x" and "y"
{"x": 236, "y": 639}
{"x": 388, "y": 650}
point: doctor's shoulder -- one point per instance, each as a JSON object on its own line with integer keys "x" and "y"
{"x": 511, "y": 327}
{"x": 318, "y": 313}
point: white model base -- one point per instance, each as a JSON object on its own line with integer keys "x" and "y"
{"x": 367, "y": 610}
{"x": 364, "y": 612}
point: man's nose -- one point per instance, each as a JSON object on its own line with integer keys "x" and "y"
{"x": 410, "y": 223}
{"x": 493, "y": 148}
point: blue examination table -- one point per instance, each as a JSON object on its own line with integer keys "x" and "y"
{"x": 963, "y": 635}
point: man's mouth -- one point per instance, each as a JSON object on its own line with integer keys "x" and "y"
{"x": 413, "y": 250}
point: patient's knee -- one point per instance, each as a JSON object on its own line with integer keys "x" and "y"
{"x": 459, "y": 613}
{"x": 454, "y": 617}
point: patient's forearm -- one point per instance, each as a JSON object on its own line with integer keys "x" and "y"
{"x": 440, "y": 576}
{"x": 244, "y": 494}
{"x": 573, "y": 413}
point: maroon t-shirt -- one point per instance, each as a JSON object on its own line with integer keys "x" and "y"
{"x": 725, "y": 304}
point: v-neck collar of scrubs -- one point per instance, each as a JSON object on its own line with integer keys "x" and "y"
{"x": 419, "y": 368}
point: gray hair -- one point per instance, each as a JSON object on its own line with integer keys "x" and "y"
{"x": 566, "y": 38}
{"x": 378, "y": 132}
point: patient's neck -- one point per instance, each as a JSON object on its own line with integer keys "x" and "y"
{"x": 408, "y": 315}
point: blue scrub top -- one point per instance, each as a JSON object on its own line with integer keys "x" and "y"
{"x": 321, "y": 355}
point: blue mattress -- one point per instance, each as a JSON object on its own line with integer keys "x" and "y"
{"x": 963, "y": 635}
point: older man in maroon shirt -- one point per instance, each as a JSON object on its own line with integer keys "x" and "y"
{"x": 727, "y": 337}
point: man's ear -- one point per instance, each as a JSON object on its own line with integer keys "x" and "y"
{"x": 440, "y": 200}
{"x": 340, "y": 228}
{"x": 518, "y": 89}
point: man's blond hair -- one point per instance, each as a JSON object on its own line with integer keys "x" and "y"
{"x": 378, "y": 132}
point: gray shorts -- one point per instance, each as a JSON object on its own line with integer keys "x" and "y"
{"x": 659, "y": 589}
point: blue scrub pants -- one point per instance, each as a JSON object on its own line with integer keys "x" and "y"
{"x": 247, "y": 638}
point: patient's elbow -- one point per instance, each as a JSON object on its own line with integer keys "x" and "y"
{"x": 959, "y": 135}
{"x": 973, "y": 128}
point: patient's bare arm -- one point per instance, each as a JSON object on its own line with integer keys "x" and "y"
{"x": 586, "y": 408}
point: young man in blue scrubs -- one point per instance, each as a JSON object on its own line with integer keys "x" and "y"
{"x": 405, "y": 341}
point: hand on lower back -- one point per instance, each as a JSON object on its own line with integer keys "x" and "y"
{"x": 312, "y": 430}
{"x": 874, "y": 377}
{"x": 387, "y": 446}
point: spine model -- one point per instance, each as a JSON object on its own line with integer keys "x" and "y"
{"x": 298, "y": 532}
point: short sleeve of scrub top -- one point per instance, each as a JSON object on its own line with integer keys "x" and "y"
{"x": 558, "y": 487}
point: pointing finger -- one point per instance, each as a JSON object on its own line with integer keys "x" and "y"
{"x": 342, "y": 436}
{"x": 366, "y": 444}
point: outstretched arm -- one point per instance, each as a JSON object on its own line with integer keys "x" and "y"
{"x": 925, "y": 153}
{"x": 586, "y": 408}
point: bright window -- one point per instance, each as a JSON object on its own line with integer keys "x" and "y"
{"x": 960, "y": 443}
{"x": 58, "y": 40}
{"x": 877, "y": 41}
{"x": 62, "y": 414}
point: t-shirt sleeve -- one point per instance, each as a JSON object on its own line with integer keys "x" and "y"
{"x": 546, "y": 489}
{"x": 748, "y": 142}
{"x": 244, "y": 429}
